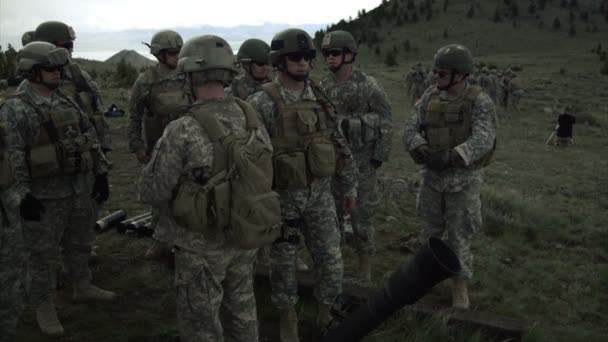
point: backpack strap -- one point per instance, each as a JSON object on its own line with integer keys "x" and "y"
{"x": 274, "y": 93}
{"x": 46, "y": 121}
{"x": 250, "y": 113}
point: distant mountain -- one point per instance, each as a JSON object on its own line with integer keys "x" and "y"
{"x": 131, "y": 57}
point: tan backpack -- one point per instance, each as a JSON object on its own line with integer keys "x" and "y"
{"x": 238, "y": 198}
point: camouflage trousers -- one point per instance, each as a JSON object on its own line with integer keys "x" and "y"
{"x": 13, "y": 269}
{"x": 456, "y": 213}
{"x": 66, "y": 223}
{"x": 216, "y": 281}
{"x": 311, "y": 213}
{"x": 368, "y": 200}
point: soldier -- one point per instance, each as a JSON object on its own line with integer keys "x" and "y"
{"x": 158, "y": 97}
{"x": 13, "y": 252}
{"x": 366, "y": 120}
{"x": 452, "y": 132}
{"x": 494, "y": 86}
{"x": 253, "y": 58}
{"x": 56, "y": 153}
{"x": 515, "y": 90}
{"x": 419, "y": 83}
{"x": 27, "y": 37}
{"x": 306, "y": 140}
{"x": 564, "y": 128}
{"x": 485, "y": 82}
{"x": 212, "y": 274}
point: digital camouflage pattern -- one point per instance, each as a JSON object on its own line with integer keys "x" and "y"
{"x": 448, "y": 200}
{"x": 207, "y": 270}
{"x": 244, "y": 85}
{"x": 68, "y": 219}
{"x": 360, "y": 97}
{"x": 314, "y": 207}
{"x": 150, "y": 83}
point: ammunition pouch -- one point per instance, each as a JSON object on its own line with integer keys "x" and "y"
{"x": 321, "y": 157}
{"x": 194, "y": 207}
{"x": 290, "y": 171}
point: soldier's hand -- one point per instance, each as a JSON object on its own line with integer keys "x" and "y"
{"x": 421, "y": 154}
{"x": 142, "y": 155}
{"x": 350, "y": 202}
{"x": 455, "y": 158}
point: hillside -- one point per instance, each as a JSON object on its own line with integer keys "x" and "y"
{"x": 131, "y": 57}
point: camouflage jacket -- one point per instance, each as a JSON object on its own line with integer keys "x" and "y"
{"x": 185, "y": 150}
{"x": 269, "y": 115}
{"x": 244, "y": 85}
{"x": 140, "y": 98}
{"x": 361, "y": 97}
{"x": 94, "y": 94}
{"x": 480, "y": 142}
{"x": 24, "y": 122}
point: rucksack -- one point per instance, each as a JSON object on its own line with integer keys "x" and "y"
{"x": 238, "y": 199}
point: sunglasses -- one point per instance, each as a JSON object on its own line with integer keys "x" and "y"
{"x": 172, "y": 53}
{"x": 297, "y": 56}
{"x": 260, "y": 64}
{"x": 52, "y": 68}
{"x": 66, "y": 45}
{"x": 442, "y": 73}
{"x": 333, "y": 53}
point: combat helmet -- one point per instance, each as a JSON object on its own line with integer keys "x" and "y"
{"x": 209, "y": 54}
{"x": 40, "y": 54}
{"x": 253, "y": 50}
{"x": 163, "y": 40}
{"x": 289, "y": 41}
{"x": 454, "y": 57}
{"x": 27, "y": 37}
{"x": 339, "y": 40}
{"x": 55, "y": 32}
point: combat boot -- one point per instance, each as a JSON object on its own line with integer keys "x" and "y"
{"x": 301, "y": 265}
{"x": 157, "y": 251}
{"x": 84, "y": 290}
{"x": 323, "y": 316}
{"x": 289, "y": 325}
{"x": 460, "y": 295}
{"x": 365, "y": 267}
{"x": 46, "y": 316}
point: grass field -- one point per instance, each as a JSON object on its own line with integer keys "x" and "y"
{"x": 542, "y": 255}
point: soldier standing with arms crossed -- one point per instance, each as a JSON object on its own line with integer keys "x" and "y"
{"x": 452, "y": 131}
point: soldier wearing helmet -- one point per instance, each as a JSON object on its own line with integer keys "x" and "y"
{"x": 486, "y": 83}
{"x": 302, "y": 124}
{"x": 54, "y": 160}
{"x": 212, "y": 274}
{"x": 253, "y": 58}
{"x": 452, "y": 133}
{"x": 157, "y": 97}
{"x": 77, "y": 83}
{"x": 366, "y": 119}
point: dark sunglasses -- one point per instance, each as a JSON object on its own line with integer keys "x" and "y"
{"x": 172, "y": 53}
{"x": 297, "y": 56}
{"x": 66, "y": 45}
{"x": 334, "y": 53}
{"x": 260, "y": 64}
{"x": 52, "y": 68}
{"x": 442, "y": 73}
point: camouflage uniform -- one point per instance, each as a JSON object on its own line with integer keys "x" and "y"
{"x": 210, "y": 274}
{"x": 245, "y": 85}
{"x": 362, "y": 100}
{"x": 449, "y": 200}
{"x": 13, "y": 254}
{"x": 68, "y": 218}
{"x": 311, "y": 211}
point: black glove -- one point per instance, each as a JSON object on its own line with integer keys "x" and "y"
{"x": 31, "y": 208}
{"x": 439, "y": 160}
{"x": 101, "y": 188}
{"x": 376, "y": 163}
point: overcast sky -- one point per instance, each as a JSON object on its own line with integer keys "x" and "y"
{"x": 18, "y": 16}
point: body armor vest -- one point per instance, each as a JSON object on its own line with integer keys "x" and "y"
{"x": 303, "y": 149}
{"x": 448, "y": 124}
{"x": 61, "y": 148}
{"x": 78, "y": 89}
{"x": 167, "y": 101}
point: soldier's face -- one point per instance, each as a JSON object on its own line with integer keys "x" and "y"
{"x": 298, "y": 64}
{"x": 260, "y": 70}
{"x": 171, "y": 57}
{"x": 443, "y": 77}
{"x": 51, "y": 75}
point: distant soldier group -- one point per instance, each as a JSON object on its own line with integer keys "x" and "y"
{"x": 232, "y": 163}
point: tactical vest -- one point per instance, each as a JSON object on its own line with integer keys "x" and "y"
{"x": 238, "y": 199}
{"x": 303, "y": 150}
{"x": 167, "y": 101}
{"x": 448, "y": 124}
{"x": 7, "y": 171}
{"x": 61, "y": 148}
{"x": 77, "y": 88}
